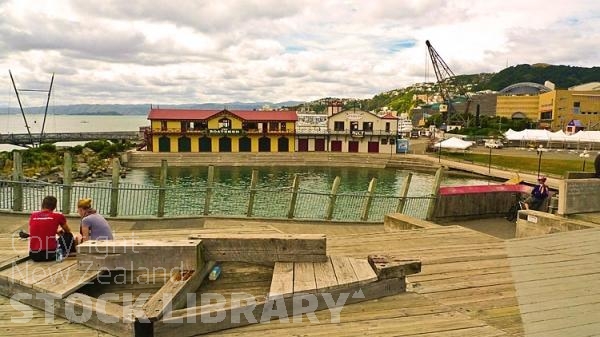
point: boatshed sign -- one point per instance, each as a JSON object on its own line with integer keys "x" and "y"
{"x": 224, "y": 131}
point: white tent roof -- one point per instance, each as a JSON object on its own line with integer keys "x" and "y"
{"x": 585, "y": 136}
{"x": 10, "y": 147}
{"x": 454, "y": 143}
{"x": 529, "y": 134}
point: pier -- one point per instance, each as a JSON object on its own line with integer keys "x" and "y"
{"x": 24, "y": 138}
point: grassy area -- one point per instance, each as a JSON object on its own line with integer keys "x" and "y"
{"x": 548, "y": 165}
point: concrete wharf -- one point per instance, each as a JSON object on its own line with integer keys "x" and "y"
{"x": 471, "y": 284}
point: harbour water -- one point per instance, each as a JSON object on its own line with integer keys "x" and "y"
{"x": 14, "y": 123}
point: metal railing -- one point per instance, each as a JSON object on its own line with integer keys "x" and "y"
{"x": 145, "y": 201}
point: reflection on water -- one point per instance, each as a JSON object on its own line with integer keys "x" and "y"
{"x": 314, "y": 179}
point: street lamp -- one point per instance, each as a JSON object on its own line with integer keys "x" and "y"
{"x": 585, "y": 155}
{"x": 490, "y": 162}
{"x": 540, "y": 150}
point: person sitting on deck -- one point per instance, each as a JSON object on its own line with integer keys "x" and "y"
{"x": 93, "y": 225}
{"x": 66, "y": 241}
{"x": 538, "y": 195}
{"x": 42, "y": 231}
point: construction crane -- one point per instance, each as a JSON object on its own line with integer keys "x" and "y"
{"x": 445, "y": 77}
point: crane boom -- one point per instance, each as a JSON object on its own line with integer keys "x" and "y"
{"x": 444, "y": 76}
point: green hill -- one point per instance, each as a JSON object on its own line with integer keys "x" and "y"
{"x": 562, "y": 76}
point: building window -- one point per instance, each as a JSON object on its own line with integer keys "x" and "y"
{"x": 338, "y": 126}
{"x": 185, "y": 125}
{"x": 384, "y": 141}
{"x": 283, "y": 126}
{"x": 163, "y": 125}
{"x": 546, "y": 115}
{"x": 368, "y": 126}
{"x": 387, "y": 127}
{"x": 273, "y": 126}
{"x": 353, "y": 126}
{"x": 576, "y": 107}
{"x": 200, "y": 125}
{"x": 247, "y": 126}
{"x": 392, "y": 141}
{"x": 224, "y": 123}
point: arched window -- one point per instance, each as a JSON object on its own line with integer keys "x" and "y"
{"x": 224, "y": 123}
{"x": 184, "y": 144}
{"x": 264, "y": 144}
{"x": 283, "y": 145}
{"x": 205, "y": 144}
{"x": 224, "y": 144}
{"x": 245, "y": 144}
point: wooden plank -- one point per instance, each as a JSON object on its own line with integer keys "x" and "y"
{"x": 13, "y": 260}
{"x": 66, "y": 282}
{"x": 185, "y": 256}
{"x": 325, "y": 276}
{"x": 264, "y": 247}
{"x": 282, "y": 283}
{"x": 304, "y": 278}
{"x": 343, "y": 271}
{"x": 363, "y": 270}
{"x": 30, "y": 272}
{"x": 173, "y": 295}
{"x": 392, "y": 267}
{"x": 106, "y": 317}
{"x": 201, "y": 320}
{"x": 262, "y": 256}
{"x": 134, "y": 246}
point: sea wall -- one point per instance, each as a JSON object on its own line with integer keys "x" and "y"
{"x": 475, "y": 202}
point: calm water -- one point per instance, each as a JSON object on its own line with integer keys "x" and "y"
{"x": 11, "y": 123}
{"x": 314, "y": 179}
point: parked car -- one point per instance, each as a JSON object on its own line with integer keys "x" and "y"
{"x": 494, "y": 144}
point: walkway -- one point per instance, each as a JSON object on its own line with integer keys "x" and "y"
{"x": 471, "y": 284}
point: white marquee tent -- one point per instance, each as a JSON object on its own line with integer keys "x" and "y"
{"x": 454, "y": 143}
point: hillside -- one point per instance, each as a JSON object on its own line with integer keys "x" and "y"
{"x": 562, "y": 76}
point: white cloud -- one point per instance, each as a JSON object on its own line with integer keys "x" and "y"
{"x": 219, "y": 51}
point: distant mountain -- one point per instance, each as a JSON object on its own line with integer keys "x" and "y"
{"x": 142, "y": 109}
{"x": 562, "y": 76}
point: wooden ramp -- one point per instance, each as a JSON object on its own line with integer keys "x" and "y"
{"x": 337, "y": 272}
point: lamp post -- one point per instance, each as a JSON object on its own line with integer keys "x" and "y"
{"x": 490, "y": 162}
{"x": 585, "y": 155}
{"x": 540, "y": 150}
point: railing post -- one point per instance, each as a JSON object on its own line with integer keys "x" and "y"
{"x": 67, "y": 183}
{"x": 434, "y": 192}
{"x": 332, "y": 198}
{"x": 253, "y": 182}
{"x": 295, "y": 187}
{"x": 18, "y": 182}
{"x": 404, "y": 193}
{"x": 369, "y": 201}
{"x": 114, "y": 189}
{"x": 209, "y": 189}
{"x": 162, "y": 192}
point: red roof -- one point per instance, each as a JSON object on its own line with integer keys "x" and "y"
{"x": 248, "y": 115}
{"x": 388, "y": 116}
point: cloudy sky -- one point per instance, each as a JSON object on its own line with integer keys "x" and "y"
{"x": 142, "y": 51}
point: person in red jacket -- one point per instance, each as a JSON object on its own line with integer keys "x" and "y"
{"x": 42, "y": 231}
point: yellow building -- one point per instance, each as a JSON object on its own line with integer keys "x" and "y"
{"x": 558, "y": 107}
{"x": 177, "y": 130}
{"x": 518, "y": 107}
{"x": 520, "y": 100}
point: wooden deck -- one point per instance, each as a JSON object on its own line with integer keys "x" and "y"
{"x": 471, "y": 284}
